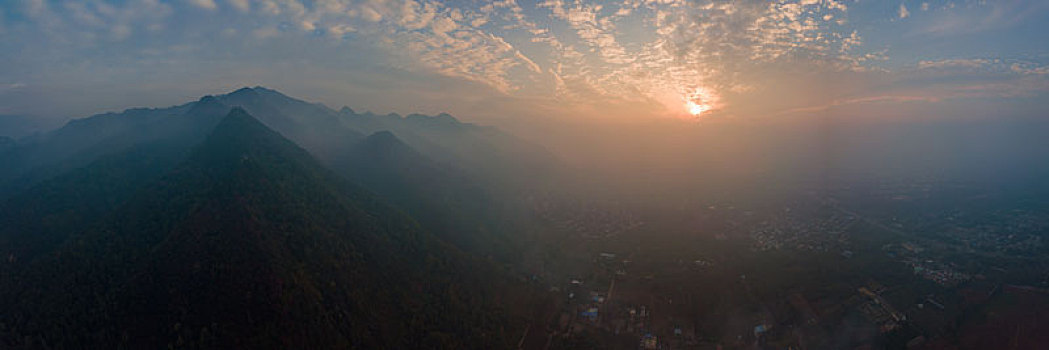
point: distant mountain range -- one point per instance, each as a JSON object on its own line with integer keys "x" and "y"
{"x": 19, "y": 126}
{"x": 455, "y": 162}
{"x": 205, "y": 225}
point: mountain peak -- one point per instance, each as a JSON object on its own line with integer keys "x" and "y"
{"x": 256, "y": 90}
{"x": 383, "y": 146}
{"x": 243, "y": 92}
{"x": 383, "y": 140}
{"x": 264, "y": 91}
{"x": 382, "y": 136}
{"x": 443, "y": 118}
{"x": 239, "y": 115}
{"x": 252, "y": 97}
{"x": 239, "y": 122}
{"x": 239, "y": 136}
{"x": 208, "y": 105}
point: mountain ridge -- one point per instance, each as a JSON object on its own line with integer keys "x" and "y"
{"x": 464, "y": 168}
{"x": 250, "y": 242}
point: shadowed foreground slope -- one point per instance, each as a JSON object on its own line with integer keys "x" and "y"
{"x": 250, "y": 243}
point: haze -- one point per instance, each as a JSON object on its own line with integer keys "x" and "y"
{"x": 753, "y": 174}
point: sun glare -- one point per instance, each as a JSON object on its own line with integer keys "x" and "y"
{"x": 699, "y": 100}
{"x": 696, "y": 109}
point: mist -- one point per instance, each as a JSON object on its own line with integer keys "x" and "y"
{"x": 557, "y": 174}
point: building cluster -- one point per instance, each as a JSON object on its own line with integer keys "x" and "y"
{"x": 809, "y": 234}
{"x": 943, "y": 274}
{"x": 1011, "y": 232}
{"x": 589, "y": 220}
{"x": 879, "y": 310}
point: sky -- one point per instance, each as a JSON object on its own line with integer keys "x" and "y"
{"x": 520, "y": 61}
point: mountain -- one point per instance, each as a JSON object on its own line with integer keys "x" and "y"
{"x": 498, "y": 160}
{"x": 83, "y": 141}
{"x": 313, "y": 126}
{"x": 501, "y": 161}
{"x": 461, "y": 181}
{"x": 58, "y": 207}
{"x": 446, "y": 197}
{"x": 17, "y": 126}
{"x": 250, "y": 243}
{"x": 444, "y": 200}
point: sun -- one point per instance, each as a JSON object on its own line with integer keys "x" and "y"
{"x": 699, "y": 100}
{"x": 696, "y": 109}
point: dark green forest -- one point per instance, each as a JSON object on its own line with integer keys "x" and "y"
{"x": 246, "y": 241}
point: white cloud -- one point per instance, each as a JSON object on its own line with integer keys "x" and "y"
{"x": 35, "y": 8}
{"x": 700, "y": 47}
{"x": 265, "y": 33}
{"x": 586, "y": 51}
{"x": 11, "y": 87}
{"x": 1000, "y": 67}
{"x": 1029, "y": 69}
{"x": 204, "y": 4}
{"x": 120, "y": 32}
{"x": 338, "y": 30}
{"x": 240, "y": 5}
{"x": 528, "y": 62}
{"x": 953, "y": 63}
{"x": 982, "y": 16}
{"x": 371, "y": 15}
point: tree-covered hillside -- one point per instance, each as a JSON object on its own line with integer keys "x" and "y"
{"x": 250, "y": 243}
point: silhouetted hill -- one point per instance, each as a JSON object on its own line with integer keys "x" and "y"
{"x": 313, "y": 126}
{"x": 18, "y": 126}
{"x": 82, "y": 141}
{"x": 499, "y": 160}
{"x": 250, "y": 243}
{"x": 446, "y": 202}
{"x": 43, "y": 217}
{"x": 461, "y": 181}
{"x": 446, "y": 199}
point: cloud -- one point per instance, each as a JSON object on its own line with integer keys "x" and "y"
{"x": 695, "y": 45}
{"x": 240, "y": 5}
{"x": 877, "y": 99}
{"x": 935, "y": 81}
{"x": 204, "y": 4}
{"x": 952, "y": 63}
{"x": 981, "y": 16}
{"x": 1001, "y": 67}
{"x": 595, "y": 31}
{"x": 1029, "y": 69}
{"x": 369, "y": 14}
{"x": 4, "y": 88}
{"x": 530, "y": 64}
{"x": 723, "y": 54}
{"x": 446, "y": 41}
{"x": 698, "y": 46}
